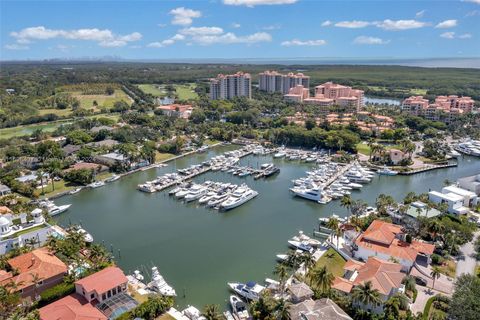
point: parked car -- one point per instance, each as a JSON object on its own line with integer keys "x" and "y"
{"x": 420, "y": 281}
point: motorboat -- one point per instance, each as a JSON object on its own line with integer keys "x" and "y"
{"x": 250, "y": 290}
{"x": 387, "y": 172}
{"x": 282, "y": 257}
{"x": 86, "y": 236}
{"x": 158, "y": 284}
{"x": 239, "y": 308}
{"x": 279, "y": 154}
{"x": 302, "y": 237}
{"x": 307, "y": 193}
{"x": 202, "y": 149}
{"x": 52, "y": 208}
{"x": 238, "y": 197}
{"x": 304, "y": 246}
{"x": 147, "y": 187}
{"x": 182, "y": 193}
{"x": 207, "y": 197}
{"x": 228, "y": 315}
{"x": 193, "y": 313}
{"x": 113, "y": 178}
{"x": 96, "y": 184}
{"x": 76, "y": 190}
{"x": 218, "y": 199}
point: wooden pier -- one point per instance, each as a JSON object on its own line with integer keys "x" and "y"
{"x": 340, "y": 172}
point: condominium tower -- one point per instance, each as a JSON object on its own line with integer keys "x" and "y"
{"x": 272, "y": 81}
{"x": 225, "y": 87}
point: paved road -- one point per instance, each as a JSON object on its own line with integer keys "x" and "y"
{"x": 466, "y": 263}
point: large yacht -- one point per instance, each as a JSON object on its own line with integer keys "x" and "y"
{"x": 308, "y": 193}
{"x": 52, "y": 208}
{"x": 250, "y": 290}
{"x": 195, "y": 192}
{"x": 159, "y": 284}
{"x": 238, "y": 197}
{"x": 239, "y": 308}
{"x": 387, "y": 172}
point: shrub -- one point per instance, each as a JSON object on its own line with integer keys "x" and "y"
{"x": 437, "y": 259}
{"x": 59, "y": 291}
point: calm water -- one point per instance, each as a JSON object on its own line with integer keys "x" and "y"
{"x": 198, "y": 250}
{"x": 373, "y": 100}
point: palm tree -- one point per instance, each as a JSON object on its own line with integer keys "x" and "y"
{"x": 392, "y": 307}
{"x": 333, "y": 225}
{"x": 53, "y": 168}
{"x": 322, "y": 278}
{"x": 282, "y": 311}
{"x": 282, "y": 273}
{"x": 409, "y": 283}
{"x": 366, "y": 294}
{"x": 435, "y": 227}
{"x": 211, "y": 312}
{"x": 346, "y": 202}
{"x": 308, "y": 261}
{"x": 293, "y": 259}
{"x": 36, "y": 280}
{"x": 435, "y": 274}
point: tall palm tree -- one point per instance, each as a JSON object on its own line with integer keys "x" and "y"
{"x": 308, "y": 261}
{"x": 293, "y": 259}
{"x": 333, "y": 225}
{"x": 211, "y": 312}
{"x": 322, "y": 278}
{"x": 435, "y": 274}
{"x": 409, "y": 283}
{"x": 282, "y": 310}
{"x": 282, "y": 272}
{"x": 392, "y": 307}
{"x": 36, "y": 284}
{"x": 366, "y": 294}
{"x": 346, "y": 201}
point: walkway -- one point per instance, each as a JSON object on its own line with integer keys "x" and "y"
{"x": 466, "y": 262}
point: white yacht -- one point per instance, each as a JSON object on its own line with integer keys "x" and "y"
{"x": 196, "y": 192}
{"x": 182, "y": 193}
{"x": 193, "y": 313}
{"x": 159, "y": 284}
{"x": 86, "y": 236}
{"x": 302, "y": 237}
{"x": 52, "y": 208}
{"x": 147, "y": 187}
{"x": 250, "y": 290}
{"x": 307, "y": 193}
{"x": 238, "y": 197}
{"x": 96, "y": 184}
{"x": 218, "y": 199}
{"x": 228, "y": 315}
{"x": 280, "y": 154}
{"x": 239, "y": 308}
{"x": 387, "y": 172}
{"x": 301, "y": 245}
{"x": 76, "y": 190}
{"x": 113, "y": 178}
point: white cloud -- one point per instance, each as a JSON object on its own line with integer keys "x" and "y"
{"x": 326, "y": 23}
{"x": 474, "y": 1}
{"x": 105, "y": 37}
{"x": 448, "y": 35}
{"x": 184, "y": 16}
{"x": 229, "y": 38}
{"x": 473, "y": 13}
{"x": 396, "y": 25}
{"x": 296, "y": 42}
{"x": 352, "y": 24}
{"x": 236, "y": 25}
{"x": 446, "y": 24}
{"x": 252, "y": 3}
{"x": 465, "y": 36}
{"x": 166, "y": 42}
{"x": 196, "y": 31}
{"x": 272, "y": 27}
{"x": 452, "y": 35}
{"x": 16, "y": 46}
{"x": 369, "y": 40}
{"x": 420, "y": 14}
{"x": 162, "y": 25}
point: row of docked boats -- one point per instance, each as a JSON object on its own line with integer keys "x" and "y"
{"x": 160, "y": 183}
{"x": 331, "y": 181}
{"x": 470, "y": 147}
{"x": 217, "y": 195}
{"x": 302, "y": 155}
{"x": 156, "y": 285}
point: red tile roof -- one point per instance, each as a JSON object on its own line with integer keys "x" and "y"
{"x": 72, "y": 307}
{"x": 38, "y": 262}
{"x": 381, "y": 237}
{"x": 103, "y": 280}
{"x": 384, "y": 276}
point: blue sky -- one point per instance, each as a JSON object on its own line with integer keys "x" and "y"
{"x": 239, "y": 29}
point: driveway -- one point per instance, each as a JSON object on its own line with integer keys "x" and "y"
{"x": 443, "y": 284}
{"x": 466, "y": 262}
{"x": 423, "y": 295}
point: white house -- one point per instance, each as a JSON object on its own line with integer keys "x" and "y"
{"x": 470, "y": 198}
{"x": 453, "y": 200}
{"x": 471, "y": 183}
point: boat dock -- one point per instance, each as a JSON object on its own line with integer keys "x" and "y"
{"x": 338, "y": 174}
{"x": 183, "y": 179}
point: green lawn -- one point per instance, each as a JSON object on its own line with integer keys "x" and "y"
{"x": 163, "y": 156}
{"x": 333, "y": 261}
{"x": 19, "y": 131}
{"x": 58, "y": 112}
{"x": 186, "y": 92}
{"x": 449, "y": 269}
{"x": 210, "y": 142}
{"x": 19, "y": 233}
{"x": 153, "y": 89}
{"x": 60, "y": 186}
{"x": 103, "y": 100}
{"x": 363, "y": 148}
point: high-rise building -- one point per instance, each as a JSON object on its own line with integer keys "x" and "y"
{"x": 445, "y": 108}
{"x": 225, "y": 87}
{"x": 272, "y": 81}
{"x": 331, "y": 94}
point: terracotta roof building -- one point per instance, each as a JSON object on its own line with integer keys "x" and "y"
{"x": 386, "y": 277}
{"x": 40, "y": 264}
{"x": 72, "y": 307}
{"x": 102, "y": 285}
{"x": 385, "y": 240}
{"x": 300, "y": 292}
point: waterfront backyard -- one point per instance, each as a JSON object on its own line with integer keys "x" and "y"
{"x": 188, "y": 240}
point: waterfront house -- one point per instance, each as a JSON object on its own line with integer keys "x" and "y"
{"x": 470, "y": 198}
{"x": 396, "y": 156}
{"x": 101, "y": 295}
{"x": 454, "y": 201}
{"x": 111, "y": 159}
{"x": 386, "y": 240}
{"x": 179, "y": 110}
{"x": 386, "y": 277}
{"x": 322, "y": 309}
{"x": 102, "y": 285}
{"x": 471, "y": 183}
{"x": 36, "y": 271}
{"x": 414, "y": 211}
{"x": 299, "y": 292}
{"x": 4, "y": 190}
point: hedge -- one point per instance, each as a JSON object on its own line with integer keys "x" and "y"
{"x": 59, "y": 291}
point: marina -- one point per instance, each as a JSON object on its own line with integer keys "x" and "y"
{"x": 187, "y": 239}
